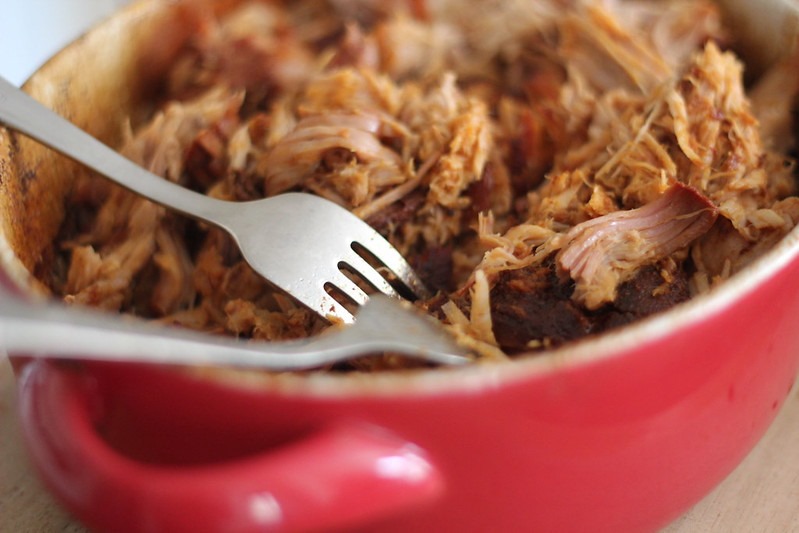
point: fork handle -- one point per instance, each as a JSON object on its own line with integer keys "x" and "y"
{"x": 83, "y": 334}
{"x": 22, "y": 113}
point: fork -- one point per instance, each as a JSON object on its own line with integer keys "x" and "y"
{"x": 384, "y": 325}
{"x": 301, "y": 243}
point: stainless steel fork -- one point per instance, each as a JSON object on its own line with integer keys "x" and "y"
{"x": 384, "y": 325}
{"x": 301, "y": 243}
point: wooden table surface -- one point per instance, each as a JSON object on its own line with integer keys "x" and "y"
{"x": 761, "y": 496}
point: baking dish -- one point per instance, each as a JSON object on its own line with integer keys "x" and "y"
{"x": 621, "y": 432}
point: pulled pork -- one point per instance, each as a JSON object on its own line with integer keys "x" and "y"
{"x": 552, "y": 169}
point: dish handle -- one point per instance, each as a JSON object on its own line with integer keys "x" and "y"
{"x": 339, "y": 477}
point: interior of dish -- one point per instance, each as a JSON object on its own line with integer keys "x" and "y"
{"x": 553, "y": 170}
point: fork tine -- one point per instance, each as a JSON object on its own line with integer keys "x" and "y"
{"x": 331, "y": 309}
{"x": 348, "y": 287}
{"x": 360, "y": 267}
{"x": 383, "y": 251}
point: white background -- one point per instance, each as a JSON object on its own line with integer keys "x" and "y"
{"x": 32, "y": 30}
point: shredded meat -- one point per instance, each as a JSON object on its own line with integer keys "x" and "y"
{"x": 534, "y": 308}
{"x": 601, "y": 253}
{"x": 552, "y": 169}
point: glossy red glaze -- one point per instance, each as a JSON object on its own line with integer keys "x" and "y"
{"x": 617, "y": 435}
{"x": 343, "y": 474}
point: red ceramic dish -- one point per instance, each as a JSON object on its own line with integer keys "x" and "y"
{"x": 617, "y": 435}
{"x": 620, "y": 433}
